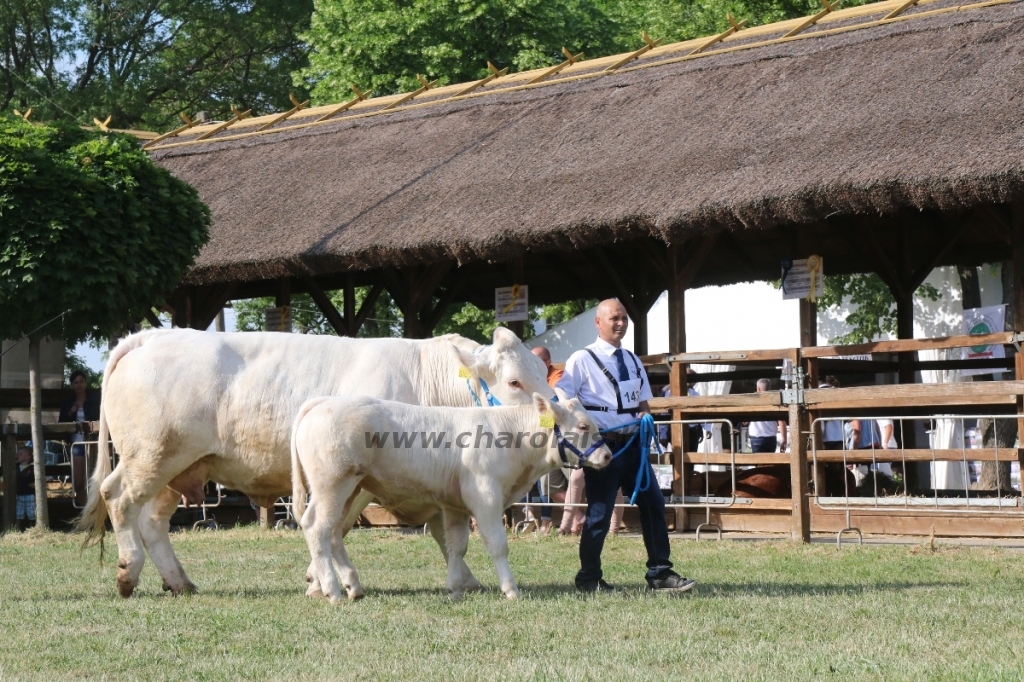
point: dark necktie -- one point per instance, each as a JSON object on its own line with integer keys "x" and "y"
{"x": 623, "y": 372}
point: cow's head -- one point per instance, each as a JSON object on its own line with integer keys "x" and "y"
{"x": 512, "y": 373}
{"x": 579, "y": 435}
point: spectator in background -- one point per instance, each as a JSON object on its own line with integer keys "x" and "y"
{"x": 769, "y": 435}
{"x": 554, "y": 374}
{"x": 81, "y": 406}
{"x": 25, "y": 488}
{"x": 831, "y": 431}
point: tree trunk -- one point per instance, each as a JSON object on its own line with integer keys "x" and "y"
{"x": 969, "y": 286}
{"x": 38, "y": 443}
{"x": 1004, "y": 432}
{"x": 1001, "y": 433}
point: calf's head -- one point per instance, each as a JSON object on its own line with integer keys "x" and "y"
{"x": 576, "y": 436}
{"x": 512, "y": 373}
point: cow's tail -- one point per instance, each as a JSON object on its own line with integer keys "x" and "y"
{"x": 93, "y": 519}
{"x": 299, "y": 490}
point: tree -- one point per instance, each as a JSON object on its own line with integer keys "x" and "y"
{"x": 875, "y": 311}
{"x": 382, "y": 44}
{"x": 91, "y": 231}
{"x": 144, "y": 61}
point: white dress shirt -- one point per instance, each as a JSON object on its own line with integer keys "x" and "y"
{"x": 584, "y": 380}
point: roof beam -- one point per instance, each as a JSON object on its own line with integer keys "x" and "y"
{"x": 326, "y": 306}
{"x": 298, "y": 106}
{"x": 570, "y": 59}
{"x": 901, "y": 9}
{"x": 366, "y": 308}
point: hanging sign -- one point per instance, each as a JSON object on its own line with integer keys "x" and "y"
{"x": 987, "y": 320}
{"x": 278, "y": 319}
{"x": 803, "y": 278}
{"x": 511, "y": 303}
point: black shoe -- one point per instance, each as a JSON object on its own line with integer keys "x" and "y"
{"x": 670, "y": 581}
{"x": 595, "y": 586}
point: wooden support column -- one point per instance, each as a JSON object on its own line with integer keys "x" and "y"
{"x": 284, "y": 292}
{"x": 517, "y": 274}
{"x": 1017, "y": 249}
{"x": 266, "y": 515}
{"x": 10, "y": 469}
{"x": 350, "y": 304}
{"x": 800, "y": 530}
{"x": 412, "y": 290}
{"x": 683, "y": 264}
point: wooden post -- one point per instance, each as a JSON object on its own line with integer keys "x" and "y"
{"x": 677, "y": 344}
{"x": 800, "y": 530}
{"x": 8, "y": 457}
{"x": 35, "y": 387}
{"x": 266, "y": 515}
{"x": 517, "y": 278}
{"x": 905, "y": 330}
{"x": 219, "y": 321}
{"x": 350, "y": 305}
{"x": 1017, "y": 241}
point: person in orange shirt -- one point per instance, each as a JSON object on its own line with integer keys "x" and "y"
{"x": 553, "y": 374}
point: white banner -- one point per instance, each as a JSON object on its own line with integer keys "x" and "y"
{"x": 988, "y": 320}
{"x": 796, "y": 278}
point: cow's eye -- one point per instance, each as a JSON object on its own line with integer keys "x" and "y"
{"x": 584, "y": 427}
{"x": 515, "y": 384}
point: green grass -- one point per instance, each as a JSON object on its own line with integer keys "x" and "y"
{"x": 767, "y": 610}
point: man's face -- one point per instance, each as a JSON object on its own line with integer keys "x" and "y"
{"x": 612, "y": 322}
{"x": 24, "y": 456}
{"x": 79, "y": 384}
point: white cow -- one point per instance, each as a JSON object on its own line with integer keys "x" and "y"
{"x": 341, "y": 444}
{"x": 185, "y": 407}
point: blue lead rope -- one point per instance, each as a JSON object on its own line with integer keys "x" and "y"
{"x": 491, "y": 400}
{"x": 647, "y": 432}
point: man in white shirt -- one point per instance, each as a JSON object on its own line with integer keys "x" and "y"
{"x": 613, "y": 387}
{"x": 764, "y": 436}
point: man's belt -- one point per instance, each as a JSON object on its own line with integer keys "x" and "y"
{"x": 621, "y": 410}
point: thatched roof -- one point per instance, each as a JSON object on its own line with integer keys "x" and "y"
{"x": 922, "y": 112}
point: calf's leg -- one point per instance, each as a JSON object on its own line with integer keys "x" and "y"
{"x": 124, "y": 505}
{"x": 323, "y": 516}
{"x": 437, "y": 524}
{"x": 492, "y": 530}
{"x": 456, "y": 528}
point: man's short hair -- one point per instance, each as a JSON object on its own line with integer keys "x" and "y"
{"x": 764, "y": 384}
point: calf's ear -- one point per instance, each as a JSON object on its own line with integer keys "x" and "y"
{"x": 505, "y": 338}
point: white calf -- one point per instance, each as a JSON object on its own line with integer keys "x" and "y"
{"x": 467, "y": 461}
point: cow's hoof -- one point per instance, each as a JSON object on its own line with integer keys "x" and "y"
{"x": 187, "y": 588}
{"x": 473, "y": 585}
{"x": 314, "y": 592}
{"x": 512, "y": 594}
{"x": 125, "y": 587}
{"x": 337, "y": 601}
{"x": 356, "y": 593}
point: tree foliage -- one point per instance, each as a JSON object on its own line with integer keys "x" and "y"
{"x": 144, "y": 61}
{"x": 874, "y": 313}
{"x": 89, "y": 225}
{"x": 384, "y": 44}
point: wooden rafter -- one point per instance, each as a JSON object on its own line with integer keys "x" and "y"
{"x": 426, "y": 85}
{"x": 431, "y": 318}
{"x": 812, "y": 20}
{"x": 366, "y": 308}
{"x": 651, "y": 44}
{"x": 696, "y": 260}
{"x": 570, "y": 59}
{"x": 495, "y": 74}
{"x": 901, "y": 9}
{"x": 239, "y": 115}
{"x": 189, "y": 123}
{"x": 298, "y": 106}
{"x": 360, "y": 96}
{"x": 714, "y": 40}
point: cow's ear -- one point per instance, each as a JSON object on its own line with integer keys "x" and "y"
{"x": 505, "y": 338}
{"x": 543, "y": 405}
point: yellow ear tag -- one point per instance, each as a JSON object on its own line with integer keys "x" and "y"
{"x": 547, "y": 421}
{"x": 464, "y": 373}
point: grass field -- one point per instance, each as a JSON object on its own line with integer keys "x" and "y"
{"x": 767, "y": 610}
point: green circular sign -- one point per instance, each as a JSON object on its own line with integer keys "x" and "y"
{"x": 980, "y": 328}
